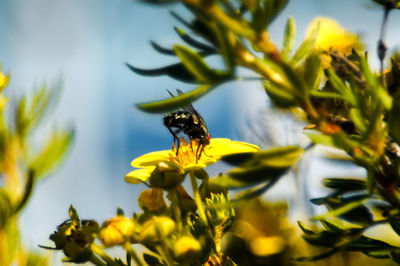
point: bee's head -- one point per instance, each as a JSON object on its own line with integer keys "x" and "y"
{"x": 207, "y": 139}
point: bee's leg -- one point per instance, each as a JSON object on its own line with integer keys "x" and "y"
{"x": 176, "y": 138}
{"x": 198, "y": 154}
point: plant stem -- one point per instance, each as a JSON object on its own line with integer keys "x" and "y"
{"x": 96, "y": 261}
{"x": 97, "y": 250}
{"x": 27, "y": 193}
{"x": 165, "y": 254}
{"x": 197, "y": 197}
{"x": 132, "y": 252}
{"x": 381, "y": 42}
{"x": 175, "y": 207}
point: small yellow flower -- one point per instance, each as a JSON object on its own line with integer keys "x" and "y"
{"x": 152, "y": 200}
{"x": 156, "y": 229}
{"x": 167, "y": 162}
{"x": 186, "y": 248}
{"x": 332, "y": 37}
{"x": 3, "y": 80}
{"x": 116, "y": 231}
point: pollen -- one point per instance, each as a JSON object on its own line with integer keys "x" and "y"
{"x": 186, "y": 153}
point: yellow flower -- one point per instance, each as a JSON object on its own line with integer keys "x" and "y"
{"x": 332, "y": 37}
{"x": 152, "y": 200}
{"x": 3, "y": 80}
{"x": 168, "y": 164}
{"x": 116, "y": 231}
{"x": 186, "y": 248}
{"x": 157, "y": 229}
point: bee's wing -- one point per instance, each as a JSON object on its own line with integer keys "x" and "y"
{"x": 189, "y": 108}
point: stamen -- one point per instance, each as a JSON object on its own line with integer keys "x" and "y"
{"x": 186, "y": 154}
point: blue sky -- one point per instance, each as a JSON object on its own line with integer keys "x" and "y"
{"x": 86, "y": 44}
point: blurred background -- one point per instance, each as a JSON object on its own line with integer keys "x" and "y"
{"x": 86, "y": 44}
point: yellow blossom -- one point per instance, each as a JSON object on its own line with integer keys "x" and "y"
{"x": 3, "y": 80}
{"x": 186, "y": 248}
{"x": 152, "y": 200}
{"x": 168, "y": 162}
{"x": 333, "y": 38}
{"x": 116, "y": 231}
{"x": 157, "y": 229}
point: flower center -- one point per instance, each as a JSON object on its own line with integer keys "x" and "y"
{"x": 186, "y": 152}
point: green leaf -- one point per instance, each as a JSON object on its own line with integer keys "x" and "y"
{"x": 30, "y": 111}
{"x": 13, "y": 237}
{"x": 288, "y": 38}
{"x": 394, "y": 121}
{"x": 151, "y": 260}
{"x": 377, "y": 254}
{"x": 258, "y": 167}
{"x": 257, "y": 174}
{"x": 175, "y": 102}
{"x": 238, "y": 158}
{"x": 313, "y": 71}
{"x": 342, "y": 88}
{"x": 358, "y": 120}
{"x": 266, "y": 12}
{"x": 5, "y": 208}
{"x": 325, "y": 95}
{"x": 305, "y": 229}
{"x": 298, "y": 85}
{"x": 73, "y": 214}
{"x": 194, "y": 43}
{"x": 321, "y": 139}
{"x": 345, "y": 184}
{"x": 364, "y": 244}
{"x": 52, "y": 154}
{"x": 280, "y": 156}
{"x": 264, "y": 165}
{"x": 332, "y": 239}
{"x": 343, "y": 209}
{"x": 395, "y": 224}
{"x": 395, "y": 256}
{"x": 224, "y": 46}
{"x": 279, "y": 95}
{"x": 331, "y": 226}
{"x": 393, "y": 3}
{"x": 317, "y": 257}
{"x": 176, "y": 71}
{"x": 197, "y": 66}
{"x": 306, "y": 47}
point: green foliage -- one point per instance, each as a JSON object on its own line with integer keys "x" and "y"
{"x": 327, "y": 80}
{"x": 21, "y": 166}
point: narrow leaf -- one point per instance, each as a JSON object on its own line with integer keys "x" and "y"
{"x": 196, "y": 65}
{"x": 175, "y": 71}
{"x": 288, "y": 37}
{"x": 195, "y": 43}
{"x": 175, "y": 102}
{"x": 306, "y": 47}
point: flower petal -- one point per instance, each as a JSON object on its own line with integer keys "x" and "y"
{"x": 221, "y": 147}
{"x": 139, "y": 176}
{"x": 151, "y": 159}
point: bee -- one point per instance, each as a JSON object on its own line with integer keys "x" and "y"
{"x": 190, "y": 122}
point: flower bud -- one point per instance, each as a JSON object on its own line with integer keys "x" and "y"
{"x": 219, "y": 210}
{"x": 187, "y": 248}
{"x": 75, "y": 238}
{"x": 166, "y": 177}
{"x": 152, "y": 200}
{"x": 116, "y": 231}
{"x": 157, "y": 229}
